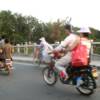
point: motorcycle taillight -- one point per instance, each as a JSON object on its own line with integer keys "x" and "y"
{"x": 94, "y": 72}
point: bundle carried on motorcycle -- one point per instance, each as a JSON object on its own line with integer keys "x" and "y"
{"x": 80, "y": 56}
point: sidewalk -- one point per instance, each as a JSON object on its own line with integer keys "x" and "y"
{"x": 30, "y": 60}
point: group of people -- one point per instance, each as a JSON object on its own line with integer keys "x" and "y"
{"x": 69, "y": 43}
{"x": 6, "y": 50}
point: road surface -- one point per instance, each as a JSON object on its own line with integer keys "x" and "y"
{"x": 26, "y": 83}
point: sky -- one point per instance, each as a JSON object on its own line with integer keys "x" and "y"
{"x": 84, "y": 13}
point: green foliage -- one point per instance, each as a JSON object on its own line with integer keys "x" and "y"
{"x": 27, "y": 28}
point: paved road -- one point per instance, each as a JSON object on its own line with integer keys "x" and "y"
{"x": 26, "y": 83}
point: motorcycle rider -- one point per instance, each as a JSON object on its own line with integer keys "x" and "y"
{"x": 69, "y": 43}
{"x": 8, "y": 51}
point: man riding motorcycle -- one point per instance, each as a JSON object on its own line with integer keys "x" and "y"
{"x": 69, "y": 43}
{"x": 79, "y": 74}
{"x": 6, "y": 58}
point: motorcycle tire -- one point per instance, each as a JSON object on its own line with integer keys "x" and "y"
{"x": 49, "y": 76}
{"x": 88, "y": 85}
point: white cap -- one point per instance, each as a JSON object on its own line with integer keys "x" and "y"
{"x": 84, "y": 30}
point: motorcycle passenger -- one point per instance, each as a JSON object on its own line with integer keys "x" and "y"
{"x": 69, "y": 43}
{"x": 84, "y": 34}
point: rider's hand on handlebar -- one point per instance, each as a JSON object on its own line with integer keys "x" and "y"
{"x": 58, "y": 54}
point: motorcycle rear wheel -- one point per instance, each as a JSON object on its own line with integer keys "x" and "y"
{"x": 88, "y": 85}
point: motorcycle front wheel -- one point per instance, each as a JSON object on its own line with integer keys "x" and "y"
{"x": 49, "y": 76}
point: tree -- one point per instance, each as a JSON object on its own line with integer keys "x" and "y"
{"x": 31, "y": 23}
{"x": 7, "y": 23}
{"x": 28, "y": 28}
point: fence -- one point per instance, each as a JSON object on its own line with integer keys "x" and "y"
{"x": 95, "y": 51}
{"x": 27, "y": 50}
{"x": 24, "y": 50}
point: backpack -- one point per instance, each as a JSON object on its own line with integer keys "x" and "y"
{"x": 79, "y": 56}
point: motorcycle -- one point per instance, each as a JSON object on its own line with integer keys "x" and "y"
{"x": 83, "y": 78}
{"x": 5, "y": 66}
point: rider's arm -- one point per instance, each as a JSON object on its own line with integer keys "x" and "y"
{"x": 64, "y": 43}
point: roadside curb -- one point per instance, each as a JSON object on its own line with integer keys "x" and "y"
{"x": 31, "y": 62}
{"x": 24, "y": 61}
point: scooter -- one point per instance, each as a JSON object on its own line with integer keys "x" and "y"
{"x": 5, "y": 66}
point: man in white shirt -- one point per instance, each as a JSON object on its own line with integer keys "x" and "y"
{"x": 69, "y": 43}
{"x": 41, "y": 51}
